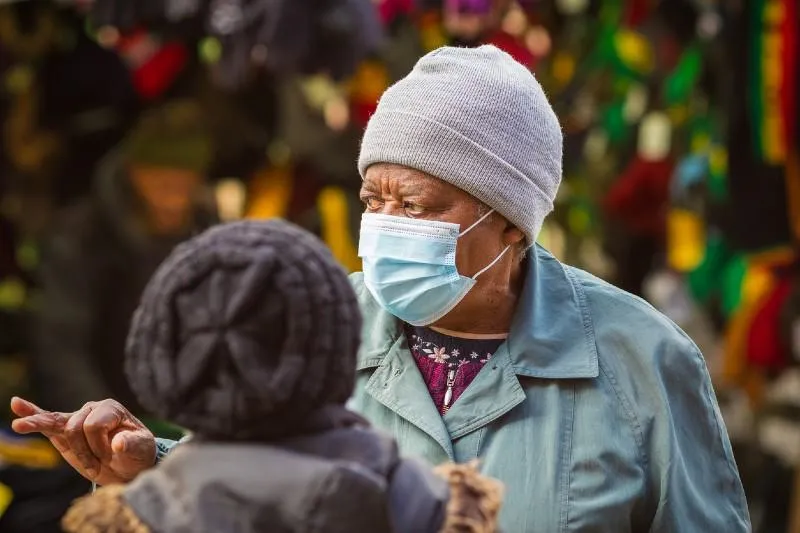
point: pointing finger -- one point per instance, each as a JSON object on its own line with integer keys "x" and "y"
{"x": 24, "y": 408}
{"x": 48, "y": 423}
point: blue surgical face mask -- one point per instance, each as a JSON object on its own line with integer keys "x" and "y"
{"x": 410, "y": 266}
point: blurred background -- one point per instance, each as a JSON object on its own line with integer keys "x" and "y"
{"x": 130, "y": 125}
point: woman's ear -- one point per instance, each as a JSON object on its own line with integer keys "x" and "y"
{"x": 512, "y": 235}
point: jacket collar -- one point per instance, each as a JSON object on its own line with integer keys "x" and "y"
{"x": 552, "y": 335}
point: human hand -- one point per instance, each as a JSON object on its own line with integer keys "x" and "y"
{"x": 102, "y": 440}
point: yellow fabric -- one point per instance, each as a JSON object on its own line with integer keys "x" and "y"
{"x": 757, "y": 285}
{"x": 12, "y": 293}
{"x": 270, "y": 193}
{"x": 432, "y": 34}
{"x": 333, "y": 210}
{"x": 685, "y": 240}
{"x": 29, "y": 453}
{"x": 563, "y": 68}
{"x": 369, "y": 82}
{"x": 634, "y": 50}
{"x": 778, "y": 256}
{"x": 5, "y": 498}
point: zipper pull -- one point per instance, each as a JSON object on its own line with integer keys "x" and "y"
{"x": 448, "y": 395}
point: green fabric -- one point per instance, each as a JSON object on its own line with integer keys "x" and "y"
{"x": 704, "y": 281}
{"x": 718, "y": 186}
{"x": 614, "y": 123}
{"x": 719, "y": 275}
{"x": 679, "y": 84}
{"x": 732, "y": 280}
{"x": 163, "y": 429}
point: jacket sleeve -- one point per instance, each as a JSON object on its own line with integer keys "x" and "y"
{"x": 417, "y": 498}
{"x": 63, "y": 325}
{"x": 165, "y": 446}
{"x": 693, "y": 476}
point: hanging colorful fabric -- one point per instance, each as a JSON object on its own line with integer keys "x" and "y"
{"x": 765, "y": 347}
{"x": 681, "y": 81}
{"x": 773, "y": 69}
{"x": 718, "y": 173}
{"x": 633, "y": 53}
{"x": 614, "y": 124}
{"x": 513, "y": 47}
{"x": 655, "y": 137}
{"x": 336, "y": 233}
{"x": 432, "y": 34}
{"x": 6, "y": 495}
{"x": 790, "y": 70}
{"x": 270, "y": 193}
{"x": 704, "y": 281}
{"x": 636, "y": 12}
{"x": 685, "y": 240}
{"x": 366, "y": 87}
{"x": 691, "y": 171}
{"x": 391, "y": 10}
{"x": 733, "y": 281}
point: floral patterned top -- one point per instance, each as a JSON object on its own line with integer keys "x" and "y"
{"x": 448, "y": 364}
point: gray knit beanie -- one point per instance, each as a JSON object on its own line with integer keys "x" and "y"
{"x": 244, "y": 332}
{"x": 478, "y": 119}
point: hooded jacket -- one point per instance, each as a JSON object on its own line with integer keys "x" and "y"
{"x": 347, "y": 478}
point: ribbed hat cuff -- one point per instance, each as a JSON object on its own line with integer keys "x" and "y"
{"x": 414, "y": 141}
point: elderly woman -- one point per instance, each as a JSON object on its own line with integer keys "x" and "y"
{"x": 594, "y": 410}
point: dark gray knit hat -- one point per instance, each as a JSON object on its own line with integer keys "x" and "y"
{"x": 478, "y": 119}
{"x": 244, "y": 331}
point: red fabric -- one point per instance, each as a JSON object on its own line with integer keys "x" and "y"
{"x": 389, "y": 10}
{"x": 513, "y": 47}
{"x": 362, "y": 111}
{"x": 765, "y": 348}
{"x": 158, "y": 74}
{"x": 640, "y": 197}
{"x": 636, "y": 12}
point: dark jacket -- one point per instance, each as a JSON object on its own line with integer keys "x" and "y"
{"x": 346, "y": 479}
{"x": 93, "y": 268}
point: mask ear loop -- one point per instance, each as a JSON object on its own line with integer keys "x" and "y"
{"x": 476, "y": 223}
{"x": 493, "y": 263}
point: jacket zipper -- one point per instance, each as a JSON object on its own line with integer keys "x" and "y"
{"x": 448, "y": 395}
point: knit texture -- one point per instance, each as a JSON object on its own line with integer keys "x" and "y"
{"x": 479, "y": 120}
{"x": 244, "y": 332}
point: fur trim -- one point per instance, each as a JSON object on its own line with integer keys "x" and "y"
{"x": 475, "y": 499}
{"x": 105, "y": 511}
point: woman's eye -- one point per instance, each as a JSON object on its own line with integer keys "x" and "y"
{"x": 372, "y": 203}
{"x": 414, "y": 209}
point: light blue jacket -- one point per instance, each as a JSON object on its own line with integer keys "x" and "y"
{"x": 597, "y": 414}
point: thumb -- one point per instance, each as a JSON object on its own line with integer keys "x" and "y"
{"x": 135, "y": 446}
